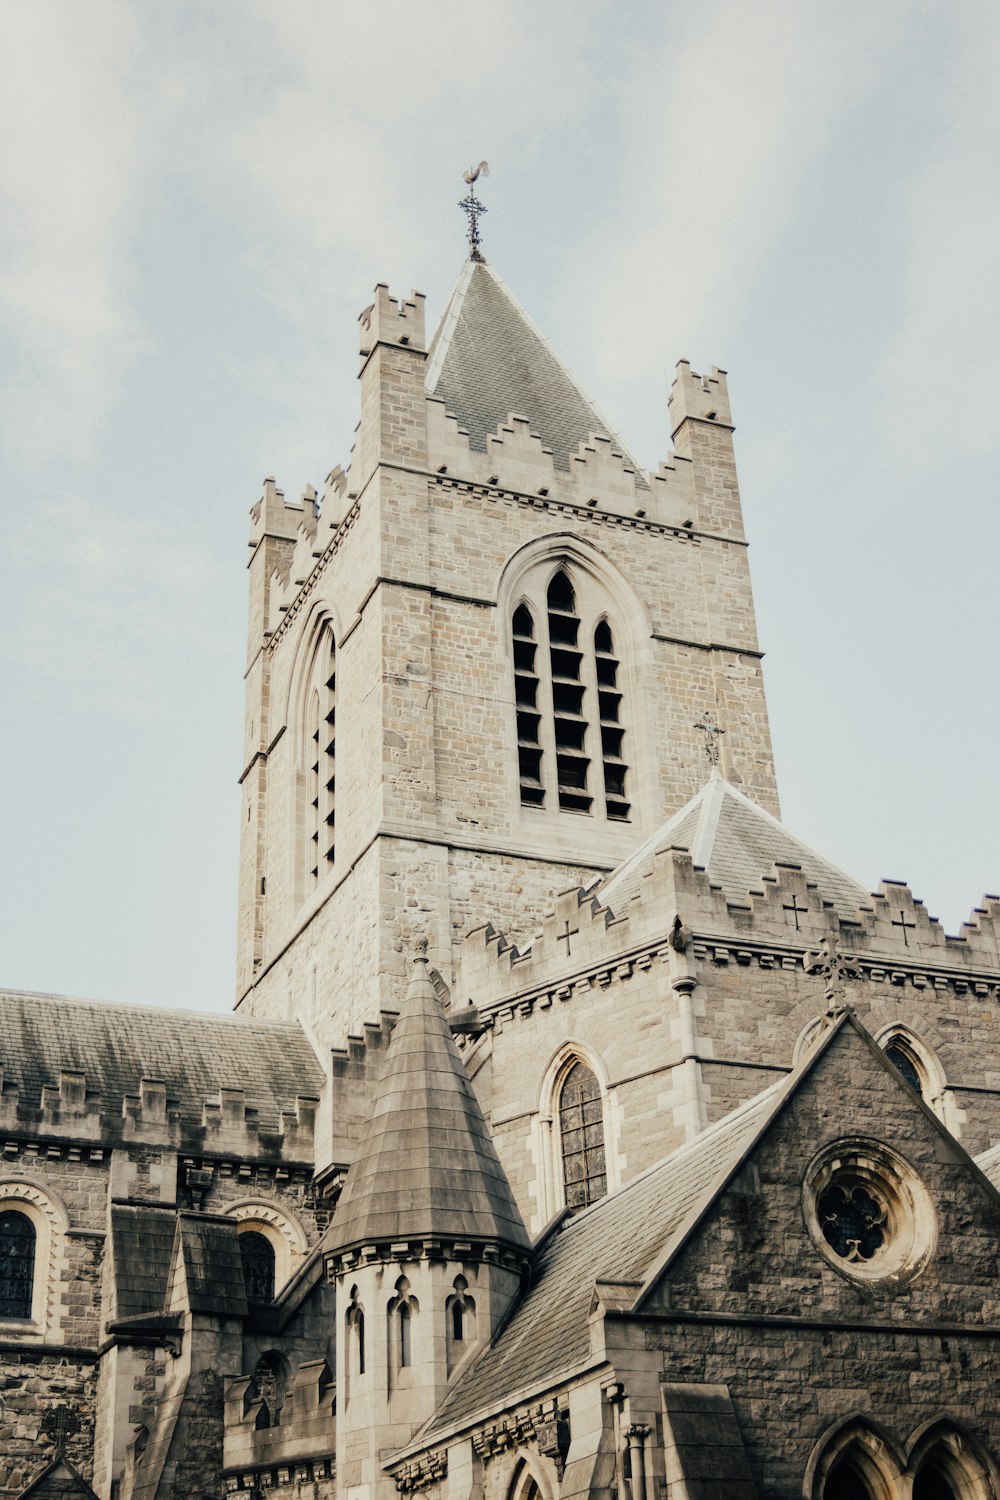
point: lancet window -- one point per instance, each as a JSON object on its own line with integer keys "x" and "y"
{"x": 257, "y": 1254}
{"x": 400, "y": 1330}
{"x": 568, "y": 706}
{"x": 581, "y": 1137}
{"x": 322, "y": 752}
{"x": 904, "y": 1061}
{"x": 17, "y": 1264}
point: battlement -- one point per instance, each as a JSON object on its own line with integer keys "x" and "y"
{"x": 779, "y": 922}
{"x": 705, "y": 398}
{"x": 273, "y": 515}
{"x": 387, "y": 321}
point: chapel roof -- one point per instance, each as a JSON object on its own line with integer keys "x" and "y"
{"x": 616, "y": 1239}
{"x": 487, "y": 360}
{"x": 426, "y": 1166}
{"x": 619, "y": 1247}
{"x": 736, "y": 843}
{"x": 116, "y": 1046}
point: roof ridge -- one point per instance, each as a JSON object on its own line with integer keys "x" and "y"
{"x": 119, "y": 1007}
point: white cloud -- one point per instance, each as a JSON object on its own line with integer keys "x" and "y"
{"x": 721, "y": 119}
{"x": 69, "y": 121}
{"x": 117, "y": 602}
{"x": 941, "y": 375}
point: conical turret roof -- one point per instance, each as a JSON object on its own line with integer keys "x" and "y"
{"x": 426, "y": 1167}
{"x": 487, "y": 360}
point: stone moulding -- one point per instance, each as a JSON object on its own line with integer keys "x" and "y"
{"x": 421, "y": 1472}
{"x": 245, "y": 1481}
{"x": 495, "y": 1014}
{"x": 395, "y": 1252}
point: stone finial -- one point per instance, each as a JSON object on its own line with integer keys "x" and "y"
{"x": 420, "y": 951}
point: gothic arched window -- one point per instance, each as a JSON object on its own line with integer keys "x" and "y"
{"x": 257, "y": 1254}
{"x": 904, "y": 1061}
{"x": 581, "y": 1137}
{"x": 17, "y": 1264}
{"x": 568, "y": 702}
{"x": 322, "y": 758}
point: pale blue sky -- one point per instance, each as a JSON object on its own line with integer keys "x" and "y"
{"x": 198, "y": 199}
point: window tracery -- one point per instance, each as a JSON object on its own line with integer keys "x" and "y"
{"x": 257, "y": 1255}
{"x": 269, "y": 1381}
{"x": 568, "y": 695}
{"x": 17, "y": 1264}
{"x": 581, "y": 1137}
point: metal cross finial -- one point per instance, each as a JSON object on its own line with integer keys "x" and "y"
{"x": 711, "y": 731}
{"x": 473, "y": 208}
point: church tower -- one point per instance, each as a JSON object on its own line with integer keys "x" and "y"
{"x": 477, "y": 661}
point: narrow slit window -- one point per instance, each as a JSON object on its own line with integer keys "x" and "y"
{"x": 529, "y": 747}
{"x": 608, "y": 667}
{"x": 404, "y": 1330}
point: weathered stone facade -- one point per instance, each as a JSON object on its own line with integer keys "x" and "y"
{"x": 654, "y": 1176}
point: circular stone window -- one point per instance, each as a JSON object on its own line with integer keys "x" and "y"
{"x": 868, "y": 1211}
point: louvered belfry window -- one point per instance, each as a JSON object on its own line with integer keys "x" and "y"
{"x": 568, "y": 707}
{"x": 17, "y": 1264}
{"x": 323, "y": 760}
{"x": 609, "y": 701}
{"x": 529, "y": 749}
{"x": 581, "y": 1134}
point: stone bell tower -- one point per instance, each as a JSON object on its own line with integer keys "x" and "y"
{"x": 477, "y": 661}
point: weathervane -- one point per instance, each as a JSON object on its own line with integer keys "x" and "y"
{"x": 472, "y": 206}
{"x": 711, "y": 731}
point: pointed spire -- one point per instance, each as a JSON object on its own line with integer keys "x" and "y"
{"x": 426, "y": 1166}
{"x": 488, "y": 361}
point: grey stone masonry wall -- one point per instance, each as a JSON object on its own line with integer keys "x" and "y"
{"x": 751, "y": 1302}
{"x": 620, "y": 996}
{"x": 33, "y": 1382}
{"x": 415, "y": 562}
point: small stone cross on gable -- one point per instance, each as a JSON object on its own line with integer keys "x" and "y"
{"x": 905, "y": 925}
{"x": 567, "y": 933}
{"x": 795, "y": 909}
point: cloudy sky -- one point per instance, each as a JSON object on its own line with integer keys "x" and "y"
{"x": 197, "y": 201}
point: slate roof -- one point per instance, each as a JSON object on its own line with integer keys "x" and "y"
{"x": 115, "y": 1046}
{"x": 213, "y": 1266}
{"x": 426, "y": 1165}
{"x": 142, "y": 1242}
{"x": 989, "y": 1164}
{"x": 617, "y": 1239}
{"x": 487, "y": 359}
{"x": 736, "y": 843}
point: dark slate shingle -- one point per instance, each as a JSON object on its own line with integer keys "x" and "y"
{"x": 115, "y": 1046}
{"x": 488, "y": 360}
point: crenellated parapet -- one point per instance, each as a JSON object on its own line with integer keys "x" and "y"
{"x": 584, "y": 943}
